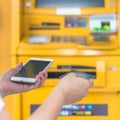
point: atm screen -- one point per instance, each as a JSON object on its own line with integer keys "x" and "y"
{"x": 69, "y": 3}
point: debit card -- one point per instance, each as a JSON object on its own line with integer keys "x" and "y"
{"x": 82, "y": 74}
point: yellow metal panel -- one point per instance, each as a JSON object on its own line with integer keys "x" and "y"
{"x": 118, "y": 21}
{"x": 5, "y": 41}
{"x": 119, "y": 104}
{"x": 27, "y": 21}
{"x": 107, "y": 68}
{"x": 78, "y": 61}
{"x": 17, "y": 25}
{"x": 38, "y": 97}
{"x": 5, "y": 35}
{"x": 16, "y": 35}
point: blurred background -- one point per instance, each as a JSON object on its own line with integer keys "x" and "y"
{"x": 5, "y": 40}
{"x": 79, "y": 35}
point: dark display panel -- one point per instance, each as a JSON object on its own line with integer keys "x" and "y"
{"x": 69, "y": 3}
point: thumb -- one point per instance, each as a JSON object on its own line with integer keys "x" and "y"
{"x": 91, "y": 83}
{"x": 15, "y": 69}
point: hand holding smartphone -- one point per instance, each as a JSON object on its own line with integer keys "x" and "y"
{"x": 29, "y": 71}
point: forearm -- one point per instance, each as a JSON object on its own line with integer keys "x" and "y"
{"x": 4, "y": 115}
{"x": 3, "y": 112}
{"x": 1, "y": 89}
{"x": 50, "y": 109}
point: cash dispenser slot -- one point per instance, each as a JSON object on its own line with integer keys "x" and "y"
{"x": 58, "y": 74}
{"x": 70, "y": 67}
{"x": 45, "y": 26}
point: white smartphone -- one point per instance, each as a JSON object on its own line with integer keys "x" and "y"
{"x": 31, "y": 68}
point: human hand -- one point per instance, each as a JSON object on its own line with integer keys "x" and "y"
{"x": 8, "y": 87}
{"x": 74, "y": 87}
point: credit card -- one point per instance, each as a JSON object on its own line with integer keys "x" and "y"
{"x": 82, "y": 74}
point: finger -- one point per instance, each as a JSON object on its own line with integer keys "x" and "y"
{"x": 77, "y": 75}
{"x": 12, "y": 71}
{"x": 18, "y": 67}
{"x": 91, "y": 83}
{"x": 69, "y": 75}
{"x": 42, "y": 77}
{"x": 45, "y": 74}
{"x": 38, "y": 83}
{"x": 38, "y": 79}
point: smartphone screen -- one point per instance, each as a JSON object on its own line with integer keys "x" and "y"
{"x": 32, "y": 68}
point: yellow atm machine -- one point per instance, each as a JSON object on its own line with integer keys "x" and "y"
{"x": 78, "y": 34}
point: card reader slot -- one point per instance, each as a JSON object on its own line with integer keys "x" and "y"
{"x": 50, "y": 24}
{"x": 58, "y": 74}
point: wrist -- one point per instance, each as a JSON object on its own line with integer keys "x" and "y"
{"x": 2, "y": 104}
{"x": 61, "y": 93}
{"x": 1, "y": 90}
